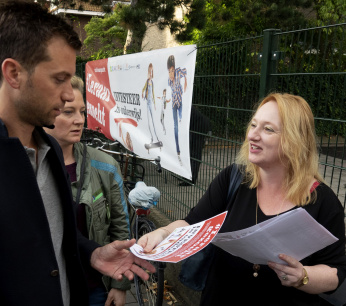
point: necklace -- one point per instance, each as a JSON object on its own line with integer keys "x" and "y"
{"x": 256, "y": 267}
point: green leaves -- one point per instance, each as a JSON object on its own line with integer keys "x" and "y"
{"x": 105, "y": 36}
{"x": 145, "y": 13}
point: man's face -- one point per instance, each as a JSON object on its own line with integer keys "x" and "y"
{"x": 43, "y": 93}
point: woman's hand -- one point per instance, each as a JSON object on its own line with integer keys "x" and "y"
{"x": 322, "y": 278}
{"x": 290, "y": 275}
{"x": 149, "y": 241}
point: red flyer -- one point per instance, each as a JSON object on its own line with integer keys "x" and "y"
{"x": 183, "y": 241}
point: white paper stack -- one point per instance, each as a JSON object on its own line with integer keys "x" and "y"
{"x": 294, "y": 233}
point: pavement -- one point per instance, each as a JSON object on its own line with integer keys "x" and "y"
{"x": 131, "y": 298}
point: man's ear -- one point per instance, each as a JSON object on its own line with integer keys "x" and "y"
{"x": 11, "y": 71}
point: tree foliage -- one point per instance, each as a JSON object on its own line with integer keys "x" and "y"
{"x": 144, "y": 13}
{"x": 330, "y": 11}
{"x": 105, "y": 36}
{"x": 227, "y": 19}
{"x": 204, "y": 20}
{"x": 239, "y": 18}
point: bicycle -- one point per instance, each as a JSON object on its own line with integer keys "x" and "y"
{"x": 148, "y": 292}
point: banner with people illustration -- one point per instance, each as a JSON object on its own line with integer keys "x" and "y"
{"x": 143, "y": 100}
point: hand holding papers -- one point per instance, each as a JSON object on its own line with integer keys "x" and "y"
{"x": 294, "y": 233}
{"x": 183, "y": 241}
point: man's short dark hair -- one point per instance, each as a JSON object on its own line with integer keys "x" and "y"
{"x": 171, "y": 62}
{"x": 25, "y": 30}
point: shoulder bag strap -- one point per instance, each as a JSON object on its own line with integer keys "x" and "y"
{"x": 236, "y": 177}
{"x": 81, "y": 176}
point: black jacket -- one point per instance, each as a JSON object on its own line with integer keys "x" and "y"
{"x": 27, "y": 260}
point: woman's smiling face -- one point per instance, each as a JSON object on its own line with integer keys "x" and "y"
{"x": 265, "y": 135}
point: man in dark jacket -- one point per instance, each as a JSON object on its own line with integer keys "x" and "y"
{"x": 41, "y": 250}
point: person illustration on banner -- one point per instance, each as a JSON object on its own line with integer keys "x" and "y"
{"x": 148, "y": 94}
{"x": 164, "y": 104}
{"x": 174, "y": 76}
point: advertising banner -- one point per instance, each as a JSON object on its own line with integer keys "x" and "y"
{"x": 143, "y": 100}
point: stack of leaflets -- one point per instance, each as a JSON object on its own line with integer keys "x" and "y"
{"x": 294, "y": 233}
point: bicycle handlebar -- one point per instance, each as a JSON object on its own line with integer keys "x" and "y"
{"x": 99, "y": 145}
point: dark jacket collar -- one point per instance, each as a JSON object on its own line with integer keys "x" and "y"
{"x": 43, "y": 134}
{"x": 3, "y": 130}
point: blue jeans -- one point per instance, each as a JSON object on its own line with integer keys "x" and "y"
{"x": 175, "y": 110}
{"x": 97, "y": 296}
{"x": 180, "y": 110}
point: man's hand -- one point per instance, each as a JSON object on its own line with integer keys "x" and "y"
{"x": 117, "y": 297}
{"x": 115, "y": 261}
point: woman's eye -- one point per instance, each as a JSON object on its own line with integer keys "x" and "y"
{"x": 67, "y": 112}
{"x": 268, "y": 129}
{"x": 83, "y": 113}
{"x": 253, "y": 125}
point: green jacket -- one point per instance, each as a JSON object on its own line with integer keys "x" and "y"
{"x": 107, "y": 216}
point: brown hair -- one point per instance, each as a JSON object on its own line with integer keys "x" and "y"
{"x": 171, "y": 62}
{"x": 152, "y": 70}
{"x": 26, "y": 28}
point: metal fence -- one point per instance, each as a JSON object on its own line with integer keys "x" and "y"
{"x": 230, "y": 77}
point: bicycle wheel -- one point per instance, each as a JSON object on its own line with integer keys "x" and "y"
{"x": 149, "y": 292}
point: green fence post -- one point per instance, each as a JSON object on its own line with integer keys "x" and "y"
{"x": 268, "y": 58}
